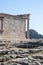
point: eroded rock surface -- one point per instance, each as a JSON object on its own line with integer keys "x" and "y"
{"x": 21, "y": 56}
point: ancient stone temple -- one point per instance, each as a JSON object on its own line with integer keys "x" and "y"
{"x": 14, "y": 26}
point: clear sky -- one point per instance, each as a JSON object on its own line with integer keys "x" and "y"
{"x": 33, "y": 7}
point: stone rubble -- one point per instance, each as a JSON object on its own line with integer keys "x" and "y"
{"x": 20, "y": 56}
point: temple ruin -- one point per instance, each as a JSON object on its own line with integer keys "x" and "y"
{"x": 14, "y": 26}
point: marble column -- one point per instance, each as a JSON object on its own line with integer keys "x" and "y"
{"x": 1, "y": 29}
{"x": 2, "y": 25}
{"x": 27, "y": 28}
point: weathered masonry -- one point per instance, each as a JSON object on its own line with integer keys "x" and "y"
{"x": 14, "y": 26}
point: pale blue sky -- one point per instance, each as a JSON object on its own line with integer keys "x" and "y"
{"x": 33, "y": 7}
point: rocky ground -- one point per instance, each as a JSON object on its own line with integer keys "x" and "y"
{"x": 11, "y": 54}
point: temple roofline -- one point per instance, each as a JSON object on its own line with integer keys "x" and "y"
{"x": 22, "y": 15}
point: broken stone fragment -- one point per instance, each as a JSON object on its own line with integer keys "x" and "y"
{"x": 24, "y": 63}
{"x": 38, "y": 57}
{"x": 34, "y": 50}
{"x": 2, "y": 59}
